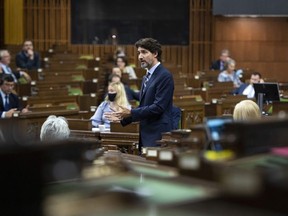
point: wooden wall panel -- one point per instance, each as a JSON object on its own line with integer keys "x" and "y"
{"x": 201, "y": 34}
{"x": 1, "y": 23}
{"x": 51, "y": 22}
{"x": 13, "y": 22}
{"x": 47, "y": 22}
{"x": 256, "y": 43}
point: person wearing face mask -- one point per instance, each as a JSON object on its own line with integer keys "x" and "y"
{"x": 115, "y": 97}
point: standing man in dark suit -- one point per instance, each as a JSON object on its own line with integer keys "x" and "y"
{"x": 27, "y": 58}
{"x": 9, "y": 102}
{"x": 156, "y": 96}
{"x": 220, "y": 63}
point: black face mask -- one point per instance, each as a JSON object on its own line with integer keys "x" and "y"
{"x": 111, "y": 96}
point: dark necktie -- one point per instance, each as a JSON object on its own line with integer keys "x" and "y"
{"x": 6, "y": 103}
{"x": 147, "y": 77}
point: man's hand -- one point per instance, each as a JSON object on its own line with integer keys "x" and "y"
{"x": 26, "y": 109}
{"x": 26, "y": 76}
{"x": 111, "y": 116}
{"x": 9, "y": 113}
{"x": 117, "y": 116}
{"x": 123, "y": 112}
{"x": 30, "y": 54}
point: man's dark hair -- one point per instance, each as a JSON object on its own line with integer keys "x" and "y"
{"x": 7, "y": 78}
{"x": 256, "y": 74}
{"x": 150, "y": 44}
{"x": 27, "y": 40}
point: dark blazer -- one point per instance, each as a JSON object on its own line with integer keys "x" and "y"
{"x": 24, "y": 62}
{"x": 13, "y": 103}
{"x": 155, "y": 108}
{"x": 216, "y": 65}
{"x": 240, "y": 89}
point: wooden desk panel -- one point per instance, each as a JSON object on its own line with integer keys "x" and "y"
{"x": 31, "y": 122}
{"x": 121, "y": 140}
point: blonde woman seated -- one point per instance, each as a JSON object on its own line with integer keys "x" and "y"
{"x": 54, "y": 129}
{"x": 246, "y": 110}
{"x": 116, "y": 97}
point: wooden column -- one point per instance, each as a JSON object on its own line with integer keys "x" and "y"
{"x": 13, "y": 21}
{"x": 201, "y": 35}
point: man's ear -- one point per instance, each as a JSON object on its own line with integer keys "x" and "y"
{"x": 155, "y": 54}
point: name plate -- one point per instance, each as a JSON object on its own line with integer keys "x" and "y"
{"x": 152, "y": 153}
{"x": 166, "y": 155}
{"x": 189, "y": 162}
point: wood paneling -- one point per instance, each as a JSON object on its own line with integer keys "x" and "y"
{"x": 47, "y": 22}
{"x": 260, "y": 44}
{"x": 201, "y": 26}
{"x": 1, "y": 23}
{"x": 13, "y": 21}
{"x": 255, "y": 43}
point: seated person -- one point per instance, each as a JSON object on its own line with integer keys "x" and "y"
{"x": 28, "y": 58}
{"x": 54, "y": 129}
{"x": 246, "y": 110}
{"x": 9, "y": 102}
{"x": 122, "y": 63}
{"x": 220, "y": 63}
{"x": 116, "y": 70}
{"x": 130, "y": 93}
{"x": 116, "y": 97}
{"x": 229, "y": 74}
{"x": 119, "y": 52}
{"x": 5, "y": 59}
{"x": 247, "y": 88}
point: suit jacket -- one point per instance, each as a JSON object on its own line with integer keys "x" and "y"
{"x": 24, "y": 62}
{"x": 13, "y": 103}
{"x": 216, "y": 65}
{"x": 155, "y": 108}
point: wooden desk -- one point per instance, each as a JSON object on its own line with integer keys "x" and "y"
{"x": 31, "y": 122}
{"x": 120, "y": 139}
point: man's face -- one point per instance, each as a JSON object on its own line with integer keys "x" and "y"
{"x": 27, "y": 46}
{"x": 7, "y": 87}
{"x": 146, "y": 58}
{"x": 254, "y": 79}
{"x": 224, "y": 57}
{"x": 6, "y": 58}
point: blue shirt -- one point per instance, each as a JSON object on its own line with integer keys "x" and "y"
{"x": 98, "y": 118}
{"x": 225, "y": 77}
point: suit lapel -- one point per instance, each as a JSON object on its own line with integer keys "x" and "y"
{"x": 152, "y": 78}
